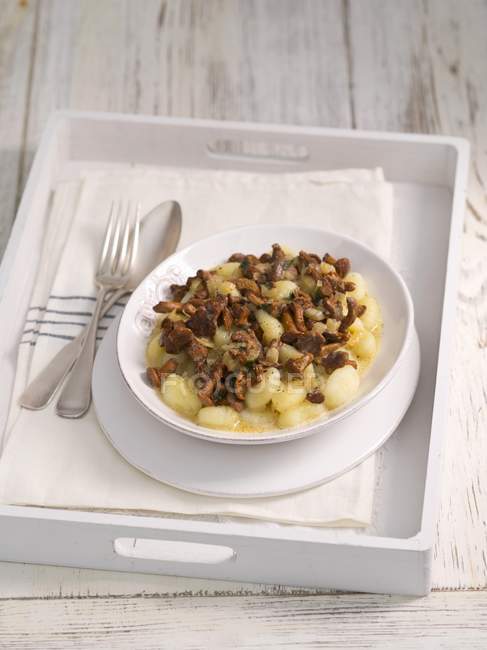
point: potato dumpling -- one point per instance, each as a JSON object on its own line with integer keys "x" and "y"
{"x": 227, "y": 288}
{"x": 222, "y": 337}
{"x": 258, "y": 419}
{"x": 229, "y": 270}
{"x": 287, "y": 352}
{"x": 356, "y": 330}
{"x": 360, "y": 285}
{"x": 351, "y": 355}
{"x": 307, "y": 284}
{"x": 321, "y": 379}
{"x": 271, "y": 327}
{"x": 155, "y": 353}
{"x": 314, "y": 314}
{"x": 229, "y": 361}
{"x": 327, "y": 268}
{"x": 332, "y": 325}
{"x": 272, "y": 355}
{"x": 300, "y": 414}
{"x": 180, "y": 395}
{"x": 218, "y": 417}
{"x": 371, "y": 318}
{"x": 319, "y": 327}
{"x": 259, "y": 396}
{"x": 288, "y": 252}
{"x": 282, "y": 290}
{"x": 193, "y": 287}
{"x": 366, "y": 345}
{"x": 289, "y": 396}
{"x": 309, "y": 377}
{"x": 212, "y": 284}
{"x": 342, "y": 385}
{"x": 218, "y": 285}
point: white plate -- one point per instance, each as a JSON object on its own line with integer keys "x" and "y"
{"x": 383, "y": 281}
{"x": 203, "y": 467}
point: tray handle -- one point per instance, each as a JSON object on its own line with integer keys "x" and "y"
{"x": 163, "y": 550}
{"x": 272, "y": 152}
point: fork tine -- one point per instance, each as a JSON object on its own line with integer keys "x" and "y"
{"x": 108, "y": 236}
{"x": 134, "y": 244}
{"x": 115, "y": 239}
{"x": 124, "y": 248}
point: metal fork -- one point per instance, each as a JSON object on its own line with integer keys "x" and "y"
{"x": 116, "y": 262}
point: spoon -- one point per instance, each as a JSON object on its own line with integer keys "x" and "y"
{"x": 159, "y": 236}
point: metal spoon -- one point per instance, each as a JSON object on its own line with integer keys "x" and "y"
{"x": 159, "y": 236}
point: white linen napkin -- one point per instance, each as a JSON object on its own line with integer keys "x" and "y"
{"x": 48, "y": 461}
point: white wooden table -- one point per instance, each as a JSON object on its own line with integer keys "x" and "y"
{"x": 406, "y": 65}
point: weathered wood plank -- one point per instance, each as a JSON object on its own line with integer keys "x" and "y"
{"x": 17, "y": 48}
{"x": 221, "y": 59}
{"x": 35, "y": 581}
{"x": 349, "y": 621}
{"x": 460, "y": 90}
{"x": 420, "y": 66}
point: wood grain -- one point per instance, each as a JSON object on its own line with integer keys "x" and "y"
{"x": 406, "y": 65}
{"x": 17, "y": 49}
{"x": 421, "y": 70}
{"x": 214, "y": 59}
{"x": 448, "y": 621}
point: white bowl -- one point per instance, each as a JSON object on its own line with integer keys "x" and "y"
{"x": 383, "y": 281}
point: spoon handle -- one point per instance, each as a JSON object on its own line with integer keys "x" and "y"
{"x": 75, "y": 398}
{"x": 43, "y": 387}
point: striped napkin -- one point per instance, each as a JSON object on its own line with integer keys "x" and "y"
{"x": 48, "y": 461}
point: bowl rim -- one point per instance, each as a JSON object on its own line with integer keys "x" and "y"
{"x": 274, "y": 435}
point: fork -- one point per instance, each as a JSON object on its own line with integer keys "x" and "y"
{"x": 115, "y": 265}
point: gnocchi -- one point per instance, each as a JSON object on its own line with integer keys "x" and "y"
{"x": 218, "y": 417}
{"x": 300, "y": 414}
{"x": 194, "y": 285}
{"x": 360, "y": 285}
{"x": 282, "y": 290}
{"x": 222, "y": 337}
{"x": 154, "y": 353}
{"x": 180, "y": 396}
{"x": 289, "y": 396}
{"x": 327, "y": 268}
{"x": 341, "y": 386}
{"x": 366, "y": 346}
{"x": 229, "y": 270}
{"x": 258, "y": 420}
{"x": 272, "y": 329}
{"x": 319, "y": 327}
{"x": 307, "y": 284}
{"x": 356, "y": 330}
{"x": 227, "y": 288}
{"x": 314, "y": 314}
{"x": 260, "y": 395}
{"x": 287, "y": 352}
{"x": 371, "y": 318}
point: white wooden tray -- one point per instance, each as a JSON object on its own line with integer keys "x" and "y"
{"x": 429, "y": 176}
